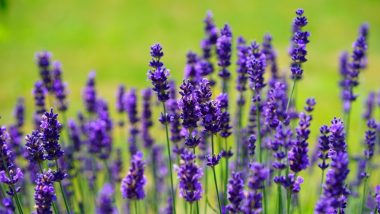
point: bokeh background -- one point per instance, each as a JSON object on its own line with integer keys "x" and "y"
{"x": 113, "y": 37}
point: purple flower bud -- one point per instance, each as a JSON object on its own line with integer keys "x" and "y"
{"x": 104, "y": 201}
{"x": 43, "y": 61}
{"x": 146, "y": 118}
{"x": 89, "y": 93}
{"x": 189, "y": 174}
{"x": 132, "y": 186}
{"x": 50, "y": 129}
{"x": 235, "y": 192}
{"x": 159, "y": 74}
{"x": 370, "y": 139}
{"x": 34, "y": 151}
{"x": 59, "y": 87}
{"x": 44, "y": 194}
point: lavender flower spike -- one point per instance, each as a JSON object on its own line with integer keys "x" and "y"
{"x": 50, "y": 129}
{"x": 59, "y": 87}
{"x": 34, "y": 151}
{"x": 158, "y": 74}
{"x": 89, "y": 93}
{"x": 189, "y": 175}
{"x": 223, "y": 51}
{"x": 104, "y": 202}
{"x": 235, "y": 193}
{"x": 44, "y": 194}
{"x": 43, "y": 61}
{"x": 255, "y": 184}
{"x": 299, "y": 41}
{"x": 132, "y": 186}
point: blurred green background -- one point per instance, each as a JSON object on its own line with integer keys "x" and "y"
{"x": 113, "y": 37}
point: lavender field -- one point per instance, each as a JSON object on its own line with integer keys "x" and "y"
{"x": 208, "y": 109}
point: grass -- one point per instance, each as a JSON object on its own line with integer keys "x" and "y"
{"x": 113, "y": 37}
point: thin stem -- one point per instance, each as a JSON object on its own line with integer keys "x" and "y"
{"x": 170, "y": 160}
{"x": 364, "y": 194}
{"x": 347, "y": 116}
{"x": 206, "y": 188}
{"x": 155, "y": 204}
{"x": 289, "y": 199}
{"x": 13, "y": 189}
{"x": 135, "y": 205}
{"x": 191, "y": 208}
{"x": 62, "y": 190}
{"x": 213, "y": 170}
{"x": 265, "y": 200}
{"x": 279, "y": 194}
{"x": 291, "y": 95}
{"x": 322, "y": 178}
{"x": 217, "y": 191}
{"x": 258, "y": 132}
{"x": 197, "y": 204}
{"x": 238, "y": 131}
{"x": 226, "y": 170}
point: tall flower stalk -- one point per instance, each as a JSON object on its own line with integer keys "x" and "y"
{"x": 159, "y": 77}
{"x": 298, "y": 50}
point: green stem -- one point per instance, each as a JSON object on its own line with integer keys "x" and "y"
{"x": 197, "y": 204}
{"x": 135, "y": 205}
{"x": 206, "y": 188}
{"x": 213, "y": 171}
{"x": 191, "y": 208}
{"x": 279, "y": 194}
{"x": 289, "y": 199}
{"x": 170, "y": 160}
{"x": 13, "y": 189}
{"x": 62, "y": 190}
{"x": 155, "y": 204}
{"x": 238, "y": 134}
{"x": 226, "y": 176}
{"x": 258, "y": 132}
{"x": 322, "y": 178}
{"x": 291, "y": 95}
{"x": 364, "y": 194}
{"x": 265, "y": 200}
{"x": 217, "y": 190}
{"x": 347, "y": 116}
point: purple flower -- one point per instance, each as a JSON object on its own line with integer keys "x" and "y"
{"x": 59, "y": 87}
{"x": 213, "y": 160}
{"x": 189, "y": 104}
{"x": 270, "y": 56}
{"x": 256, "y": 64}
{"x": 241, "y": 70}
{"x": 75, "y": 135}
{"x": 310, "y": 103}
{"x": 39, "y": 93}
{"x": 222, "y": 100}
{"x": 211, "y": 117}
{"x": 89, "y": 93}
{"x": 275, "y": 105}
{"x": 99, "y": 141}
{"x": 210, "y": 28}
{"x": 369, "y": 106}
{"x": 251, "y": 145}
{"x": 161, "y": 170}
{"x": 370, "y": 139}
{"x": 299, "y": 41}
{"x": 146, "y": 118}
{"x": 50, "y": 130}
{"x": 44, "y": 194}
{"x": 43, "y": 61}
{"x": 103, "y": 114}
{"x": 19, "y": 112}
{"x": 298, "y": 155}
{"x": 189, "y": 174}
{"x": 223, "y": 51}
{"x": 132, "y": 186}
{"x": 203, "y": 93}
{"x": 323, "y": 147}
{"x": 191, "y": 71}
{"x": 377, "y": 197}
{"x": 281, "y": 142}
{"x": 158, "y": 74}
{"x": 235, "y": 192}
{"x": 34, "y": 151}
{"x": 335, "y": 192}
{"x": 256, "y": 179}
{"x": 104, "y": 201}
{"x": 173, "y": 111}
{"x": 120, "y": 99}
{"x": 156, "y": 54}
{"x": 117, "y": 167}
{"x": 130, "y": 101}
